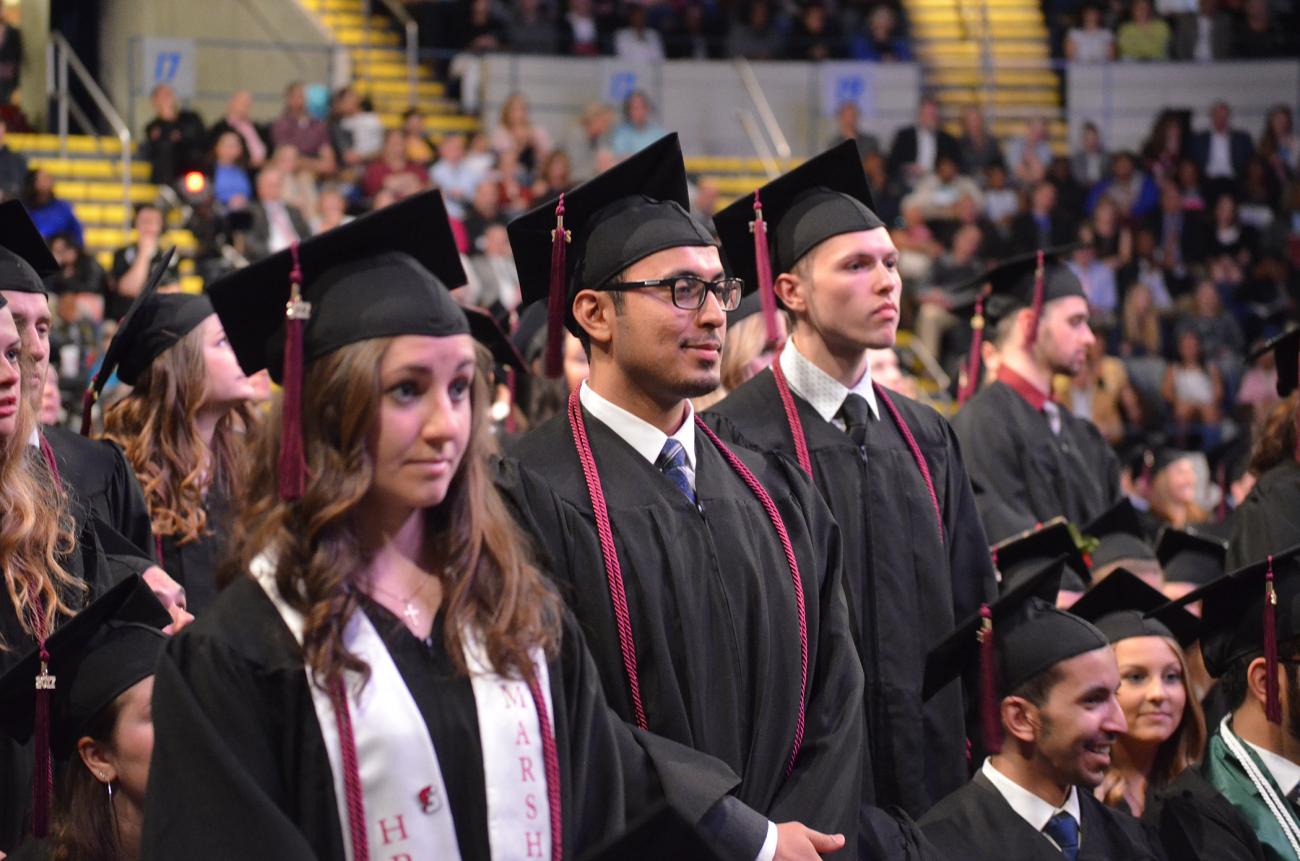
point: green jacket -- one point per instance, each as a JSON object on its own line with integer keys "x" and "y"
{"x": 1222, "y": 770}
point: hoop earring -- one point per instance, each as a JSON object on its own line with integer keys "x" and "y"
{"x": 109, "y": 786}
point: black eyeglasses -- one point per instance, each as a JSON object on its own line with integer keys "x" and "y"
{"x": 689, "y": 290}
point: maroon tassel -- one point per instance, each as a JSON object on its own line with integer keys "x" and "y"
{"x": 1272, "y": 699}
{"x": 763, "y": 268}
{"x": 556, "y": 294}
{"x": 292, "y": 471}
{"x": 990, "y": 717}
{"x": 1297, "y": 420}
{"x": 87, "y": 410}
{"x": 972, "y": 383}
{"x": 1036, "y": 310}
{"x": 43, "y": 778}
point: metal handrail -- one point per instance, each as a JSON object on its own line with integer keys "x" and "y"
{"x": 60, "y": 60}
{"x": 756, "y": 139}
{"x": 764, "y": 108}
{"x": 412, "y": 31}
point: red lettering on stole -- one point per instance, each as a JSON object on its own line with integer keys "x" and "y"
{"x": 514, "y": 695}
{"x": 533, "y": 844}
{"x": 389, "y": 830}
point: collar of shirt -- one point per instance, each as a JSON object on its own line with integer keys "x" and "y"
{"x": 1285, "y": 773}
{"x": 1028, "y": 806}
{"x": 1027, "y": 390}
{"x": 824, "y": 392}
{"x": 645, "y": 438}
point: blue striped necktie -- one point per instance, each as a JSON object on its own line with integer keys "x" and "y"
{"x": 1064, "y": 829}
{"x": 672, "y": 462}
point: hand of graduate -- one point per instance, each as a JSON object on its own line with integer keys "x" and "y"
{"x": 797, "y": 842}
{"x": 1112, "y": 789}
{"x": 171, "y": 595}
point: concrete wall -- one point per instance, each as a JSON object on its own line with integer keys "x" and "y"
{"x": 700, "y": 99}
{"x": 239, "y": 44}
{"x": 1124, "y": 98}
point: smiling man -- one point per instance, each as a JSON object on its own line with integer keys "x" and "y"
{"x": 706, "y": 577}
{"x": 915, "y": 555}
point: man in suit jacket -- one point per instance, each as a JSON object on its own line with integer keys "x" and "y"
{"x": 275, "y": 224}
{"x": 1205, "y": 36}
{"x": 1221, "y": 152}
{"x": 1043, "y": 226}
{"x": 917, "y": 148}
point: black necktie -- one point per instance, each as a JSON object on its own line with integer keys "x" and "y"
{"x": 855, "y": 413}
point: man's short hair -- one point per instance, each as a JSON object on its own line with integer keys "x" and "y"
{"x": 1235, "y": 683}
{"x": 1038, "y": 689}
{"x": 615, "y": 296}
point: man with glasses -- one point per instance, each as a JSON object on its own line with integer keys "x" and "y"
{"x": 705, "y": 576}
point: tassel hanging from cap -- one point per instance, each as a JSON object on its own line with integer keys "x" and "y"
{"x": 292, "y": 472}
{"x": 1272, "y": 698}
{"x": 556, "y": 294}
{"x": 972, "y": 383}
{"x": 763, "y": 268}
{"x": 43, "y": 775}
{"x": 1297, "y": 418}
{"x": 1036, "y": 309}
{"x": 990, "y": 718}
{"x": 87, "y": 410}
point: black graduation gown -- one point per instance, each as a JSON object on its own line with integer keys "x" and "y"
{"x": 1196, "y": 823}
{"x": 194, "y": 564}
{"x": 1024, "y": 474}
{"x": 976, "y": 823}
{"x": 96, "y": 472}
{"x": 712, "y": 610}
{"x": 1269, "y": 517}
{"x": 240, "y": 768}
{"x": 905, "y": 589}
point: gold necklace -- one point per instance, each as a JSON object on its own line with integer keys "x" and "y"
{"x": 410, "y": 609}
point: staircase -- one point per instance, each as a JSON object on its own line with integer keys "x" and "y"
{"x": 1014, "y": 80}
{"x": 379, "y": 67}
{"x": 90, "y": 178}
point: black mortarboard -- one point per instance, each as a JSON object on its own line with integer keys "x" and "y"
{"x": 93, "y": 658}
{"x": 1122, "y": 606}
{"x": 531, "y": 325}
{"x": 660, "y": 833}
{"x": 1188, "y": 557}
{"x": 1119, "y": 535}
{"x": 487, "y": 331}
{"x": 582, "y": 241}
{"x": 385, "y": 274}
{"x": 1286, "y": 357}
{"x": 25, "y": 259}
{"x": 748, "y": 307}
{"x": 1025, "y": 552}
{"x": 826, "y": 196}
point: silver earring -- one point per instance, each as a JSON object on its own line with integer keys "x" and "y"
{"x": 110, "y": 792}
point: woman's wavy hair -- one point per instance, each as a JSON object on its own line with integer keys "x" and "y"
{"x": 156, "y": 426}
{"x": 491, "y": 583}
{"x": 1276, "y": 439}
{"x": 36, "y": 532}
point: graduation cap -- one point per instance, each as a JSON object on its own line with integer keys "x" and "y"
{"x": 1023, "y": 281}
{"x": 149, "y": 327}
{"x": 485, "y": 329}
{"x": 1122, "y": 606}
{"x": 1250, "y": 612}
{"x": 385, "y": 274}
{"x": 661, "y": 833}
{"x": 1020, "y": 554}
{"x": 532, "y": 323}
{"x": 25, "y": 259}
{"x": 1119, "y": 536}
{"x": 589, "y": 235}
{"x": 825, "y": 196}
{"x": 1190, "y": 557}
{"x": 57, "y": 688}
{"x": 1018, "y": 635}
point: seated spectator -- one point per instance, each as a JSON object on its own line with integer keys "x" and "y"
{"x": 51, "y": 214}
{"x": 1221, "y": 152}
{"x": 132, "y": 264}
{"x": 915, "y": 148}
{"x": 1164, "y": 147}
{"x": 704, "y": 201}
{"x": 1044, "y": 225}
{"x": 1181, "y": 233}
{"x": 969, "y": 212}
{"x": 1098, "y": 281}
{"x": 1218, "y": 333}
{"x": 1257, "y": 391}
{"x": 511, "y": 179}
{"x": 518, "y": 133}
{"x": 304, "y": 132}
{"x": 356, "y": 131}
{"x": 955, "y": 266}
{"x": 174, "y": 140}
{"x": 881, "y": 43}
{"x": 11, "y": 59}
{"x": 531, "y": 29}
{"x": 493, "y": 279}
{"x": 1088, "y": 163}
{"x": 886, "y": 190}
{"x": 456, "y": 175}
{"x": 1112, "y": 239}
{"x": 1279, "y": 146}
{"x": 847, "y": 128}
{"x": 1028, "y": 154}
{"x": 1259, "y": 197}
{"x": 484, "y": 210}
{"x": 885, "y": 368}
{"x": 1128, "y": 187}
{"x": 755, "y": 36}
{"x": 1001, "y": 203}
{"x": 230, "y": 183}
{"x": 978, "y": 147}
{"x": 1145, "y": 268}
{"x": 637, "y": 42}
{"x": 638, "y": 130}
{"x": 1143, "y": 36}
{"x": 391, "y": 170}
{"x": 1193, "y": 389}
{"x": 79, "y": 272}
{"x": 698, "y": 35}
{"x": 331, "y": 210}
{"x": 936, "y": 195}
{"x": 1175, "y": 487}
{"x": 555, "y": 176}
{"x": 1101, "y": 393}
{"x": 13, "y": 168}
{"x": 1204, "y": 37}
{"x": 813, "y": 35}
{"x": 587, "y": 138}
{"x": 276, "y": 224}
{"x": 1140, "y": 332}
{"x": 1189, "y": 186}
{"x": 581, "y": 34}
{"x": 1090, "y": 42}
{"x": 1258, "y": 38}
{"x": 917, "y": 246}
{"x": 1070, "y": 193}
{"x": 420, "y": 148}
{"x": 238, "y": 119}
{"x": 476, "y": 28}
{"x": 1228, "y": 237}
{"x": 299, "y": 186}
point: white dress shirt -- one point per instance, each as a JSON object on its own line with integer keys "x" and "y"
{"x": 1285, "y": 773}
{"x": 926, "y": 148}
{"x": 825, "y": 393}
{"x": 1028, "y": 806}
{"x": 646, "y": 439}
{"x": 1219, "y": 163}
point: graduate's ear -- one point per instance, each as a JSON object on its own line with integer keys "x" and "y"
{"x": 1020, "y": 719}
{"x": 1257, "y": 680}
{"x": 97, "y": 758}
{"x": 594, "y": 312}
{"x": 792, "y": 291}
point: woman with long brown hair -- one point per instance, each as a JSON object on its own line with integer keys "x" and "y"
{"x": 388, "y": 669}
{"x": 182, "y": 428}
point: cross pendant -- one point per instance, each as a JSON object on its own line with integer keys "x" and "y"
{"x": 411, "y": 612}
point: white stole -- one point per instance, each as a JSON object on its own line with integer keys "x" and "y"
{"x": 407, "y": 814}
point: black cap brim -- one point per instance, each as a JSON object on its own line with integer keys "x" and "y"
{"x": 1121, "y": 606}
{"x": 25, "y": 259}
{"x": 1286, "y": 357}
